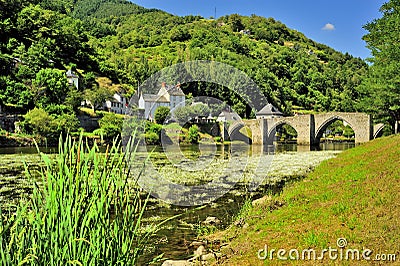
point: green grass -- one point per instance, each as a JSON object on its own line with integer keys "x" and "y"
{"x": 85, "y": 211}
{"x": 353, "y": 196}
{"x": 88, "y": 111}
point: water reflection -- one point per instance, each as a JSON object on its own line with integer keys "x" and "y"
{"x": 27, "y": 150}
{"x": 326, "y": 146}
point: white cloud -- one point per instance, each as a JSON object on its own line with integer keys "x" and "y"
{"x": 328, "y": 26}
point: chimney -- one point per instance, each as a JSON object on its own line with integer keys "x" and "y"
{"x": 163, "y": 84}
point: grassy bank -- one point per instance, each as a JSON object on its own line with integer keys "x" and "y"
{"x": 353, "y": 196}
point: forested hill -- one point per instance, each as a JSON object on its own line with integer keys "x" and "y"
{"x": 127, "y": 43}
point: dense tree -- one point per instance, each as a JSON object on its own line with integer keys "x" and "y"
{"x": 49, "y": 86}
{"x": 100, "y": 92}
{"x": 185, "y": 114}
{"x": 38, "y": 121}
{"x": 161, "y": 114}
{"x": 382, "y": 85}
{"x": 235, "y": 21}
{"x": 111, "y": 125}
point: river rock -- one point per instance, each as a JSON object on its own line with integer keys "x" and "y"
{"x": 208, "y": 257}
{"x": 262, "y": 200}
{"x": 200, "y": 251}
{"x": 177, "y": 263}
{"x": 196, "y": 244}
{"x": 212, "y": 221}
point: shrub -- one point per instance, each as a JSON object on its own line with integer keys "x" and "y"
{"x": 152, "y": 138}
{"x": 67, "y": 123}
{"x": 161, "y": 114}
{"x": 193, "y": 134}
{"x": 39, "y": 122}
{"x": 111, "y": 125}
{"x": 152, "y": 133}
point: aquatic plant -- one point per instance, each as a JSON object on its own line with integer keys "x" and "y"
{"x": 85, "y": 212}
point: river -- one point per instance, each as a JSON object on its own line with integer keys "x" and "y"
{"x": 290, "y": 162}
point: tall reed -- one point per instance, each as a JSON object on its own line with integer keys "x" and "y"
{"x": 85, "y": 211}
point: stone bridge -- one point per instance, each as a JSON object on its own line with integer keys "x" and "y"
{"x": 310, "y": 128}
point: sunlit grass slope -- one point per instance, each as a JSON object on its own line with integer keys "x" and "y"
{"x": 355, "y": 196}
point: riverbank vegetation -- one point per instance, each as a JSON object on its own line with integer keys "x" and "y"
{"x": 84, "y": 210}
{"x": 353, "y": 196}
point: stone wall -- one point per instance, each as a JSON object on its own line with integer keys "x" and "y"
{"x": 88, "y": 123}
{"x": 7, "y": 121}
{"x": 256, "y": 133}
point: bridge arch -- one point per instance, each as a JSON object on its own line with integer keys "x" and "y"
{"x": 281, "y": 123}
{"x": 378, "y": 130}
{"x": 234, "y": 132}
{"x": 359, "y": 122}
{"x": 309, "y": 128}
{"x": 322, "y": 128}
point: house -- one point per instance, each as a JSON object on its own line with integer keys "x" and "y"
{"x": 269, "y": 111}
{"x": 245, "y": 32}
{"x": 169, "y": 96}
{"x": 73, "y": 79}
{"x": 225, "y": 116}
{"x": 118, "y": 105}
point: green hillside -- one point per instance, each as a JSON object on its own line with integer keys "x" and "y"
{"x": 128, "y": 43}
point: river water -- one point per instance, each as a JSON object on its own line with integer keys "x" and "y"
{"x": 173, "y": 240}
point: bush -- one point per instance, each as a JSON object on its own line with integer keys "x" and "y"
{"x": 39, "y": 122}
{"x": 67, "y": 123}
{"x": 111, "y": 125}
{"x": 161, "y": 114}
{"x": 152, "y": 133}
{"x": 193, "y": 134}
{"x": 152, "y": 138}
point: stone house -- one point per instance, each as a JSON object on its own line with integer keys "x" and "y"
{"x": 169, "y": 96}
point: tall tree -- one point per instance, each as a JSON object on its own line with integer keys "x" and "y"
{"x": 382, "y": 86}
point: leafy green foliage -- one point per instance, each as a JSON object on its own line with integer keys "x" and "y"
{"x": 111, "y": 125}
{"x": 186, "y": 113}
{"x": 193, "y": 134}
{"x": 15, "y": 93}
{"x": 38, "y": 121}
{"x": 98, "y": 95}
{"x": 161, "y": 114}
{"x": 127, "y": 44}
{"x": 381, "y": 88}
{"x": 49, "y": 87}
{"x": 153, "y": 133}
{"x": 41, "y": 122}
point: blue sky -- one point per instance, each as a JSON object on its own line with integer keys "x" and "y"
{"x": 335, "y": 23}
